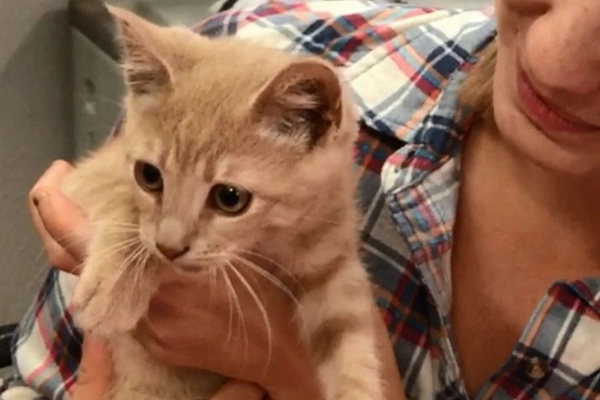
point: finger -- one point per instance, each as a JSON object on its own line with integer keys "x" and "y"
{"x": 57, "y": 255}
{"x": 239, "y": 390}
{"x": 54, "y": 213}
{"x": 50, "y": 179}
{"x": 95, "y": 371}
{"x": 44, "y": 189}
{"x": 64, "y": 222}
{"x": 153, "y": 344}
{"x": 54, "y": 175}
{"x": 163, "y": 343}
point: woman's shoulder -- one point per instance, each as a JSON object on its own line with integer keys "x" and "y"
{"x": 397, "y": 59}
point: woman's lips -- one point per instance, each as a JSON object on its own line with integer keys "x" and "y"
{"x": 547, "y": 116}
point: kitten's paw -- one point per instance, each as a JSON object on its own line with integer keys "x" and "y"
{"x": 104, "y": 316}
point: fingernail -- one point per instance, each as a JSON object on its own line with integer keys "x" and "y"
{"x": 38, "y": 197}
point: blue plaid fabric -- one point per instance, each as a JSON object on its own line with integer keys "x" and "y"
{"x": 404, "y": 66}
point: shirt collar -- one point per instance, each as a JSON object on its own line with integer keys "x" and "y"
{"x": 420, "y": 181}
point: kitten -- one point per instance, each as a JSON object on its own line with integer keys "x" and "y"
{"x": 228, "y": 149}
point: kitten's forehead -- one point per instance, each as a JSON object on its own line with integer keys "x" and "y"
{"x": 214, "y": 153}
{"x": 209, "y": 108}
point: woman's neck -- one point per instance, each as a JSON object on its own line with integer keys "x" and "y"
{"x": 518, "y": 230}
{"x": 520, "y": 203}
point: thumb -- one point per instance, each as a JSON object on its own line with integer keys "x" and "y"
{"x": 95, "y": 371}
{"x": 64, "y": 221}
{"x": 238, "y": 390}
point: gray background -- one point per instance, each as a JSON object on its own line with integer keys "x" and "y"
{"x": 37, "y": 118}
{"x": 35, "y": 128}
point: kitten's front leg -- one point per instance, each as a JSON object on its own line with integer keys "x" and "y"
{"x": 114, "y": 288}
{"x": 337, "y": 318}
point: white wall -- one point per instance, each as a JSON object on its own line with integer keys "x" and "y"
{"x": 35, "y": 128}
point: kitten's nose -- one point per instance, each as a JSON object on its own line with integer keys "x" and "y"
{"x": 172, "y": 252}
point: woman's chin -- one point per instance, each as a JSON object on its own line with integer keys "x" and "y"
{"x": 562, "y": 153}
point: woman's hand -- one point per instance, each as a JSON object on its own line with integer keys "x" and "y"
{"x": 95, "y": 371}
{"x": 217, "y": 325}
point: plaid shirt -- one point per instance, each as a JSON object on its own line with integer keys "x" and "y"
{"x": 404, "y": 66}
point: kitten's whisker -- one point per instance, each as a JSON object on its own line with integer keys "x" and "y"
{"x": 133, "y": 244}
{"x": 268, "y": 276}
{"x": 119, "y": 278}
{"x": 120, "y": 246}
{"x": 211, "y": 285}
{"x": 134, "y": 267}
{"x": 213, "y": 272}
{"x": 139, "y": 268}
{"x": 241, "y": 318}
{"x": 141, "y": 256}
{"x": 270, "y": 261}
{"x": 79, "y": 267}
{"x": 262, "y": 310}
{"x": 124, "y": 266}
{"x": 75, "y": 238}
{"x": 230, "y": 303}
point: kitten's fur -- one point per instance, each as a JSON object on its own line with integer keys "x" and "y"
{"x": 209, "y": 111}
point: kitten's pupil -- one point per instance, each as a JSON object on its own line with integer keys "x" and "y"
{"x": 151, "y": 174}
{"x": 148, "y": 176}
{"x": 229, "y": 196}
{"x": 230, "y": 199}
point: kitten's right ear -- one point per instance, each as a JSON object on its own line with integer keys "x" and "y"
{"x": 146, "y": 73}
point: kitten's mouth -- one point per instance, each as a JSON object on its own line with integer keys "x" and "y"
{"x": 186, "y": 267}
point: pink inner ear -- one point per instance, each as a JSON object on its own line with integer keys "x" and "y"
{"x": 304, "y": 98}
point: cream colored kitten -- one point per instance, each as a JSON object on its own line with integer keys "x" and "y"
{"x": 217, "y": 159}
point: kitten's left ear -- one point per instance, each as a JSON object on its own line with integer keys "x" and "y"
{"x": 304, "y": 99}
{"x": 146, "y": 72}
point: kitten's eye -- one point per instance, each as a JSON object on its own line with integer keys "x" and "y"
{"x": 230, "y": 199}
{"x": 148, "y": 177}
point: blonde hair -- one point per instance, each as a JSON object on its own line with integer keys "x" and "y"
{"x": 476, "y": 92}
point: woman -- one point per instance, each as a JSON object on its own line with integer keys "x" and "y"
{"x": 488, "y": 268}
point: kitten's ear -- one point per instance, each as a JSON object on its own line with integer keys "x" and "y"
{"x": 146, "y": 73}
{"x": 304, "y": 99}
